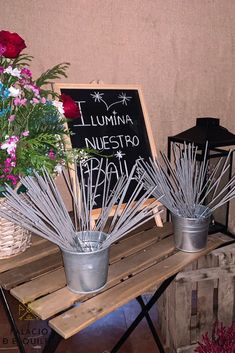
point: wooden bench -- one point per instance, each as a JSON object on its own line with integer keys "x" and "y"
{"x": 138, "y": 263}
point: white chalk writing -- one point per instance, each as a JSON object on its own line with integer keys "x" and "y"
{"x": 112, "y": 142}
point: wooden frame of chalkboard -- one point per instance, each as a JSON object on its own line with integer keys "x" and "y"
{"x": 114, "y": 121}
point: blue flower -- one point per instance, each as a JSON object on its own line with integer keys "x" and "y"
{"x": 6, "y": 93}
{"x": 4, "y": 111}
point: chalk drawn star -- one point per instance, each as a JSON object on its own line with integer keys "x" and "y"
{"x": 97, "y": 96}
{"x": 119, "y": 154}
{"x": 114, "y": 112}
{"x": 124, "y": 98}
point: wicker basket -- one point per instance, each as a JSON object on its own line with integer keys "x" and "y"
{"x": 13, "y": 239}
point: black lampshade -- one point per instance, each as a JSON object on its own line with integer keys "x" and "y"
{"x": 206, "y": 129}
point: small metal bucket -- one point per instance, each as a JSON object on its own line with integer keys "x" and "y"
{"x": 87, "y": 271}
{"x": 190, "y": 234}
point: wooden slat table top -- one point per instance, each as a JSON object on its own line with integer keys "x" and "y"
{"x": 138, "y": 262}
{"x": 77, "y": 318}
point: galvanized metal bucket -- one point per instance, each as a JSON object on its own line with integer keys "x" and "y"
{"x": 87, "y": 271}
{"x": 190, "y": 234}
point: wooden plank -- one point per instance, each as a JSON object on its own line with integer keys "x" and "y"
{"x": 226, "y": 292}
{"x": 33, "y": 253}
{"x": 193, "y": 329}
{"x": 225, "y": 254}
{"x": 25, "y": 273}
{"x": 48, "y": 306}
{"x": 171, "y": 318}
{"x": 141, "y": 260}
{"x": 55, "y": 302}
{"x": 77, "y": 318}
{"x": 162, "y": 317}
{"x": 226, "y": 300}
{"x": 187, "y": 349}
{"x": 149, "y": 225}
{"x": 183, "y": 296}
{"x": 142, "y": 228}
{"x": 35, "y": 239}
{"x": 205, "y": 274}
{"x": 205, "y": 296}
{"x": 225, "y": 258}
{"x": 117, "y": 251}
{"x": 39, "y": 286}
{"x": 156, "y": 251}
{"x": 140, "y": 241}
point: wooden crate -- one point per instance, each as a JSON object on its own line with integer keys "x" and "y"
{"x": 199, "y": 296}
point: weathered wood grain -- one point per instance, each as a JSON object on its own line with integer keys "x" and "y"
{"x": 27, "y": 272}
{"x": 48, "y": 306}
{"x": 35, "y": 252}
{"x": 77, "y": 318}
{"x": 130, "y": 245}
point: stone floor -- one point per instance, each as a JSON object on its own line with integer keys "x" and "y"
{"x": 98, "y": 338}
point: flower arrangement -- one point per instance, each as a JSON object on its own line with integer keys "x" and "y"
{"x": 32, "y": 116}
{"x": 222, "y": 340}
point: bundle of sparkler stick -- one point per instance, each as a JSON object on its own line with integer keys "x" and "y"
{"x": 42, "y": 210}
{"x": 185, "y": 184}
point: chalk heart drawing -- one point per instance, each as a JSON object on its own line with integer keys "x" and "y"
{"x": 122, "y": 99}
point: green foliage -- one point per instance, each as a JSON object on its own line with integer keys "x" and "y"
{"x": 33, "y": 153}
{"x": 50, "y": 75}
{"x": 22, "y": 60}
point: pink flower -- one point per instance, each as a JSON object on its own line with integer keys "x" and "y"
{"x": 11, "y": 118}
{"x": 17, "y": 101}
{"x": 23, "y": 101}
{"x": 32, "y": 88}
{"x": 13, "y": 139}
{"x": 1, "y": 68}
{"x": 221, "y": 341}
{"x": 26, "y": 72}
{"x": 24, "y": 81}
{"x": 10, "y": 146}
{"x": 51, "y": 154}
{"x": 25, "y": 133}
{"x": 13, "y": 178}
{"x": 7, "y": 162}
{"x": 43, "y": 100}
{"x": 35, "y": 101}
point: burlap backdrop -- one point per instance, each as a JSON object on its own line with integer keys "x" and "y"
{"x": 181, "y": 52}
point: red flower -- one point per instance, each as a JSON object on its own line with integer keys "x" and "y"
{"x": 222, "y": 340}
{"x": 71, "y": 110}
{"x": 11, "y": 44}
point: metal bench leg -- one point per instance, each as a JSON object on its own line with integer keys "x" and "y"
{"x": 52, "y": 343}
{"x": 151, "y": 325}
{"x": 11, "y": 320}
{"x": 142, "y": 314}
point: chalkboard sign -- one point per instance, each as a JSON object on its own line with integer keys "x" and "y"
{"x": 113, "y": 121}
